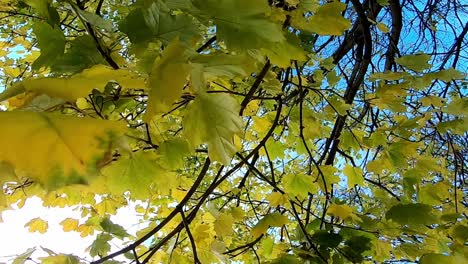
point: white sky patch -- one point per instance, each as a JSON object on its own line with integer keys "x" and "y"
{"x": 16, "y": 238}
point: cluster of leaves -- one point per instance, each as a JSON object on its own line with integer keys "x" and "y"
{"x": 255, "y": 131}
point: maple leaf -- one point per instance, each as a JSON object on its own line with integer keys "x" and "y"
{"x": 55, "y": 149}
{"x": 214, "y": 119}
{"x": 78, "y": 85}
{"x": 167, "y": 79}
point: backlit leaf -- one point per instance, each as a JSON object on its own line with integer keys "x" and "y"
{"x": 21, "y": 259}
{"x": 60, "y": 259}
{"x": 37, "y": 225}
{"x": 299, "y": 185}
{"x": 167, "y": 79}
{"x": 137, "y": 175}
{"x": 418, "y": 62}
{"x": 270, "y": 220}
{"x": 432, "y": 258}
{"x": 354, "y": 174}
{"x": 248, "y": 27}
{"x": 56, "y": 149}
{"x": 100, "y": 246}
{"x": 224, "y": 224}
{"x": 69, "y": 224}
{"x": 342, "y": 211}
{"x": 411, "y": 214}
{"x": 214, "y": 119}
{"x": 320, "y": 22}
{"x": 79, "y": 85}
{"x": 50, "y": 41}
{"x": 114, "y": 229}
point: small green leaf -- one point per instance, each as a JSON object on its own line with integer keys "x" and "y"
{"x": 433, "y": 258}
{"x": 95, "y": 20}
{"x": 299, "y": 185}
{"x": 354, "y": 174}
{"x": 382, "y": 27}
{"x": 21, "y": 259}
{"x": 327, "y": 239}
{"x": 100, "y": 246}
{"x": 320, "y": 22}
{"x": 270, "y": 220}
{"x": 114, "y": 229}
{"x": 418, "y": 62}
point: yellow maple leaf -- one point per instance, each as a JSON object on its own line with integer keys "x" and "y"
{"x": 37, "y": 225}
{"x": 85, "y": 230}
{"x": 342, "y": 211}
{"x": 276, "y": 199}
{"x": 78, "y": 85}
{"x": 167, "y": 79}
{"x": 56, "y": 150}
{"x": 223, "y": 224}
{"x": 69, "y": 224}
{"x": 60, "y": 259}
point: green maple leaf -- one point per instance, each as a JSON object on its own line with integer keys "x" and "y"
{"x": 81, "y": 54}
{"x": 327, "y": 20}
{"x": 214, "y": 119}
{"x": 299, "y": 185}
{"x": 100, "y": 246}
{"x": 270, "y": 220}
{"x": 136, "y": 174}
{"x": 241, "y": 23}
{"x": 50, "y": 41}
{"x": 418, "y": 62}
{"x": 114, "y": 229}
{"x": 153, "y": 22}
{"x": 416, "y": 214}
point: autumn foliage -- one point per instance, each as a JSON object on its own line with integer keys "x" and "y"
{"x": 244, "y": 131}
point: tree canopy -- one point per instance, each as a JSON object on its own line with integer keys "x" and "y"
{"x": 243, "y": 131}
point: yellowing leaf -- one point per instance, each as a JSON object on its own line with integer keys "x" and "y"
{"x": 354, "y": 174}
{"x": 78, "y": 85}
{"x": 281, "y": 53}
{"x": 173, "y": 152}
{"x": 224, "y": 225}
{"x": 60, "y": 259}
{"x": 85, "y": 230}
{"x": 277, "y": 199}
{"x": 418, "y": 62}
{"x": 342, "y": 211}
{"x": 69, "y": 224}
{"x": 167, "y": 79}
{"x": 214, "y": 119}
{"x": 56, "y": 150}
{"x": 299, "y": 185}
{"x": 382, "y": 27}
{"x": 327, "y": 20}
{"x": 137, "y": 175}
{"x": 432, "y": 258}
{"x": 37, "y": 225}
{"x": 270, "y": 220}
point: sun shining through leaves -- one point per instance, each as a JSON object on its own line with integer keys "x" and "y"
{"x": 235, "y": 131}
